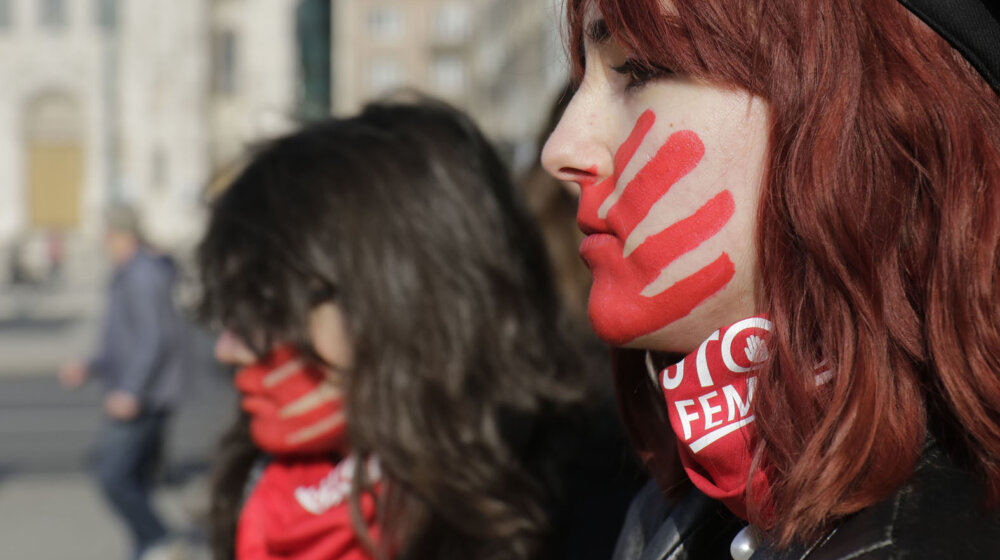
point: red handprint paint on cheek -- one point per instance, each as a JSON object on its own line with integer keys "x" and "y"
{"x": 618, "y": 309}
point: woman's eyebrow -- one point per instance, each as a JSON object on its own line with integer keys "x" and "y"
{"x": 598, "y": 31}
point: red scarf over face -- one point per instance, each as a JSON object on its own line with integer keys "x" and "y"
{"x": 299, "y": 508}
{"x": 709, "y": 395}
{"x": 274, "y": 390}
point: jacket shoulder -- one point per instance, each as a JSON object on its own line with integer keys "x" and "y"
{"x": 693, "y": 527}
{"x": 943, "y": 514}
{"x": 939, "y": 513}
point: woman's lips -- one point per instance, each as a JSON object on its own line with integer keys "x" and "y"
{"x": 594, "y": 241}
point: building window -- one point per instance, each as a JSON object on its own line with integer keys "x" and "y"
{"x": 106, "y": 14}
{"x": 448, "y": 73}
{"x": 224, "y": 75}
{"x": 385, "y": 23}
{"x": 6, "y": 14}
{"x": 451, "y": 22}
{"x": 385, "y": 74}
{"x": 53, "y": 13}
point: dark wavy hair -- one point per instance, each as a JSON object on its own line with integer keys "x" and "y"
{"x": 405, "y": 217}
{"x": 878, "y": 236}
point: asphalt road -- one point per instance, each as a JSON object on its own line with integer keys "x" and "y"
{"x": 44, "y": 429}
{"x": 49, "y": 506}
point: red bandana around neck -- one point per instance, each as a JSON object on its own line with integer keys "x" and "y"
{"x": 709, "y": 395}
{"x": 300, "y": 510}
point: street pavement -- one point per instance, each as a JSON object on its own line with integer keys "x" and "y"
{"x": 49, "y": 507}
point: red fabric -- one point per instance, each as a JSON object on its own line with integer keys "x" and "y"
{"x": 708, "y": 395}
{"x": 270, "y": 386}
{"x": 300, "y": 510}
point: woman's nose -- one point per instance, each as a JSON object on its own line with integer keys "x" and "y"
{"x": 230, "y": 349}
{"x": 575, "y": 152}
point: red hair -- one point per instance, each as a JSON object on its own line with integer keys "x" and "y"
{"x": 878, "y": 242}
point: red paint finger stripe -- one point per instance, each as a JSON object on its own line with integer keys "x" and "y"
{"x": 673, "y": 303}
{"x": 686, "y": 235}
{"x": 627, "y": 150}
{"x": 677, "y": 157}
{"x": 593, "y": 196}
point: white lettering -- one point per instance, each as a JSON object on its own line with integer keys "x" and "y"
{"x": 335, "y": 487}
{"x": 685, "y": 417}
{"x": 671, "y": 383}
{"x": 705, "y": 376}
{"x": 734, "y": 401}
{"x": 712, "y": 437}
{"x": 710, "y": 410}
{"x": 727, "y": 342}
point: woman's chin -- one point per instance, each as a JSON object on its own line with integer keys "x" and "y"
{"x": 680, "y": 337}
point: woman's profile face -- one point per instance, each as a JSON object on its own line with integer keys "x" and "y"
{"x": 294, "y": 406}
{"x": 327, "y": 330}
{"x": 670, "y": 171}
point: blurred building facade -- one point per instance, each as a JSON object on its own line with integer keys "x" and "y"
{"x": 519, "y": 67}
{"x": 502, "y": 60}
{"x": 145, "y": 101}
{"x": 102, "y": 101}
{"x": 138, "y": 101}
{"x": 253, "y": 80}
{"x": 380, "y": 46}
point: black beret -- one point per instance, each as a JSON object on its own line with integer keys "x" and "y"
{"x": 972, "y": 27}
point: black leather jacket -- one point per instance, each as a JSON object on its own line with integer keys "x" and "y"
{"x": 938, "y": 514}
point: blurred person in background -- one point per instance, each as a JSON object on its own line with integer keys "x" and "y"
{"x": 409, "y": 389}
{"x": 792, "y": 208}
{"x": 139, "y": 362}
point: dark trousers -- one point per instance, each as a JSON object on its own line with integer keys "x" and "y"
{"x": 125, "y": 461}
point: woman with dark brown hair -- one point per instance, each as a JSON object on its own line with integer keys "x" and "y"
{"x": 408, "y": 387}
{"x": 794, "y": 207}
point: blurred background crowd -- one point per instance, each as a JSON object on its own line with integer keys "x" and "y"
{"x": 154, "y": 104}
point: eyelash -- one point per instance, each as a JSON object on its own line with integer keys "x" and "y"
{"x": 639, "y": 73}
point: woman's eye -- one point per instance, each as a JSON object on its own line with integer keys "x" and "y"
{"x": 639, "y": 73}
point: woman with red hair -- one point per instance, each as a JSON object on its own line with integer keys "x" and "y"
{"x": 793, "y": 206}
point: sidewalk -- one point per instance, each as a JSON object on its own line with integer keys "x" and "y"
{"x": 50, "y": 508}
{"x": 62, "y": 517}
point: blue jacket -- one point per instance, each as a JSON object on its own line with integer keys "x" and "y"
{"x": 140, "y": 350}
